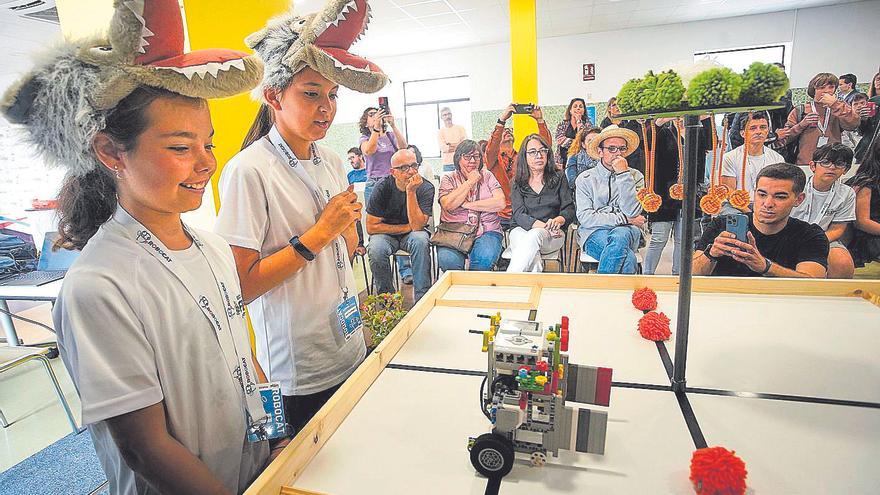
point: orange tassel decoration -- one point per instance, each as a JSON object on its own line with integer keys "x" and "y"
{"x": 644, "y": 299}
{"x": 711, "y": 204}
{"x": 740, "y": 198}
{"x": 676, "y": 191}
{"x": 654, "y": 326}
{"x": 717, "y": 190}
{"x": 718, "y": 471}
{"x": 649, "y": 200}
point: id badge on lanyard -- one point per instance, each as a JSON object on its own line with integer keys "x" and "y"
{"x": 347, "y": 311}
{"x": 227, "y": 323}
{"x": 823, "y": 139}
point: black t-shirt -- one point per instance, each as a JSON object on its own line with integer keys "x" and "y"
{"x": 799, "y": 241}
{"x": 389, "y": 203}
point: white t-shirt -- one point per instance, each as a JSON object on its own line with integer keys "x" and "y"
{"x": 822, "y": 210}
{"x": 732, "y": 166}
{"x": 262, "y": 205}
{"x": 131, "y": 336}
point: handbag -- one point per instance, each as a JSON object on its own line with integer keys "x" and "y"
{"x": 459, "y": 236}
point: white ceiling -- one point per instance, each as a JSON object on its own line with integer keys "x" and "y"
{"x": 412, "y": 26}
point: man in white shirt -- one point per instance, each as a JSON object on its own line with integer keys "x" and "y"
{"x": 830, "y": 204}
{"x": 449, "y": 137}
{"x": 759, "y": 156}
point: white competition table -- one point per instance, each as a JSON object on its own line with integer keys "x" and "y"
{"x": 811, "y": 343}
{"x": 47, "y": 292}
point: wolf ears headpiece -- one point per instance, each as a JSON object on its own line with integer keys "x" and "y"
{"x": 320, "y": 40}
{"x": 65, "y": 99}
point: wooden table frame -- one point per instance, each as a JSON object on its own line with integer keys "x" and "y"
{"x": 302, "y": 449}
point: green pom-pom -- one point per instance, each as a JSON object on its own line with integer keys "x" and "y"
{"x": 715, "y": 87}
{"x": 626, "y": 97}
{"x": 763, "y": 84}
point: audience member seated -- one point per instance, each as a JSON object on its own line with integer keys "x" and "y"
{"x": 575, "y": 119}
{"x": 759, "y": 156}
{"x": 852, "y": 138}
{"x": 865, "y": 244}
{"x": 608, "y": 212}
{"x": 578, "y": 159}
{"x": 820, "y": 121}
{"x": 830, "y": 204}
{"x": 448, "y": 138}
{"x": 611, "y": 112}
{"x": 542, "y": 206}
{"x": 778, "y": 245}
{"x": 470, "y": 194}
{"x": 500, "y": 156}
{"x": 397, "y": 215}
{"x": 358, "y": 172}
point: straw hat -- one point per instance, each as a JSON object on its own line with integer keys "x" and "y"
{"x": 612, "y": 131}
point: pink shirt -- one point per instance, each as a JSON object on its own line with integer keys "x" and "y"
{"x": 489, "y": 222}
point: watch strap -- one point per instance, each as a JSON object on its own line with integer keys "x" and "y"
{"x": 301, "y": 248}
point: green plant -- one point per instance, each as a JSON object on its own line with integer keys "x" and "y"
{"x": 763, "y": 84}
{"x": 381, "y": 313}
{"x": 662, "y": 91}
{"x": 626, "y": 98}
{"x": 715, "y": 87}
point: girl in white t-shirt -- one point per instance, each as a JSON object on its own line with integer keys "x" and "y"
{"x": 289, "y": 214}
{"x": 149, "y": 320}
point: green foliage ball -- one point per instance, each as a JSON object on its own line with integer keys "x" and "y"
{"x": 626, "y": 97}
{"x": 715, "y": 87}
{"x": 763, "y": 84}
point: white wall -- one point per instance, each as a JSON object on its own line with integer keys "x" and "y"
{"x": 836, "y": 39}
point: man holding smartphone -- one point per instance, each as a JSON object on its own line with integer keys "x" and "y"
{"x": 777, "y": 244}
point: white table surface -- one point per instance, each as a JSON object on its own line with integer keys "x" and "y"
{"x": 794, "y": 447}
{"x": 409, "y": 433}
{"x": 46, "y": 292}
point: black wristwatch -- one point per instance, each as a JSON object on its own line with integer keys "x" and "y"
{"x": 502, "y": 122}
{"x": 708, "y": 255}
{"x": 300, "y": 248}
{"x": 767, "y": 267}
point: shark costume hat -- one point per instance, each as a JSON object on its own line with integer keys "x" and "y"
{"x": 64, "y": 101}
{"x": 320, "y": 40}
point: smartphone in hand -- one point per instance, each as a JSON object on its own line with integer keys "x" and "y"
{"x": 738, "y": 225}
{"x": 383, "y": 104}
{"x": 525, "y": 108}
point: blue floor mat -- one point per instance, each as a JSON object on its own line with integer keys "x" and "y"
{"x": 67, "y": 467}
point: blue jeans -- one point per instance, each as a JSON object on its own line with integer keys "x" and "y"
{"x": 659, "y": 236}
{"x": 615, "y": 249}
{"x": 484, "y": 254}
{"x": 382, "y": 246}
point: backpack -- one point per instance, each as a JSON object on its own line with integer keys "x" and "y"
{"x": 16, "y": 256}
{"x": 790, "y": 150}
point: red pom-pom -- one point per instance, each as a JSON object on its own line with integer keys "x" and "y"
{"x": 644, "y": 299}
{"x": 654, "y": 326}
{"x": 718, "y": 471}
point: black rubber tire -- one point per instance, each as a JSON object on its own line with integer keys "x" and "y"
{"x": 492, "y": 455}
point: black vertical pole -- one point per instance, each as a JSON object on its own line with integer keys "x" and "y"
{"x": 688, "y": 209}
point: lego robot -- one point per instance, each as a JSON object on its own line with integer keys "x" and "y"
{"x": 529, "y": 380}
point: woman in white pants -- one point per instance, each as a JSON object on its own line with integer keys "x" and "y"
{"x": 542, "y": 206}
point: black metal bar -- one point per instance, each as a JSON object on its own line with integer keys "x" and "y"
{"x": 692, "y": 131}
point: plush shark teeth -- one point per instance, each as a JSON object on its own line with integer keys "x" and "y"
{"x": 137, "y": 8}
{"x": 340, "y": 65}
{"x": 212, "y": 68}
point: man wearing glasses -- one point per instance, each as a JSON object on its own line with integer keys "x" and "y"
{"x": 397, "y": 214}
{"x": 830, "y": 204}
{"x": 608, "y": 212}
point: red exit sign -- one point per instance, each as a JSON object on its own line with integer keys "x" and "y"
{"x": 589, "y": 72}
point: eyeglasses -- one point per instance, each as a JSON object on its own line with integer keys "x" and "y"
{"x": 471, "y": 158}
{"x": 615, "y": 149}
{"x": 404, "y": 168}
{"x": 537, "y": 152}
{"x": 828, "y": 164}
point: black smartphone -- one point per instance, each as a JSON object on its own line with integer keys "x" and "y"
{"x": 383, "y": 104}
{"x": 523, "y": 108}
{"x": 738, "y": 225}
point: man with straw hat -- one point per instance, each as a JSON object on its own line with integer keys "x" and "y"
{"x": 608, "y": 211}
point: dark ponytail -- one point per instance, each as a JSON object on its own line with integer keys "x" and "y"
{"x": 262, "y": 125}
{"x": 85, "y": 202}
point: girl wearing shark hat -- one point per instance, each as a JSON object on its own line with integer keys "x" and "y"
{"x": 289, "y": 213}
{"x": 149, "y": 320}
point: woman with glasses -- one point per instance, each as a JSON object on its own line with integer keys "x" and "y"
{"x": 574, "y": 120}
{"x": 471, "y": 194}
{"x": 542, "y": 207}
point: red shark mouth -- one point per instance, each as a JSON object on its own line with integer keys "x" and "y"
{"x": 342, "y": 32}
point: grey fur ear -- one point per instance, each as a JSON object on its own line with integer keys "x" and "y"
{"x": 18, "y": 100}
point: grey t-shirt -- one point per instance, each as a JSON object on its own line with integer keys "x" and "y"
{"x": 824, "y": 208}
{"x": 131, "y": 336}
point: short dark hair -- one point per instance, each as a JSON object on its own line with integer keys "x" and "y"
{"x": 836, "y": 153}
{"x": 849, "y": 79}
{"x": 785, "y": 171}
{"x": 466, "y": 147}
{"x": 357, "y": 151}
{"x": 417, "y": 152}
{"x": 821, "y": 79}
{"x": 755, "y": 116}
{"x": 859, "y": 97}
